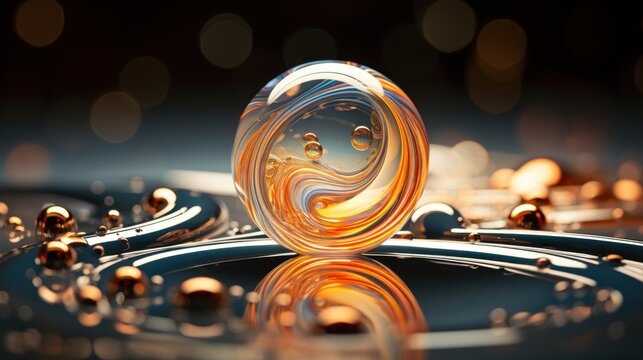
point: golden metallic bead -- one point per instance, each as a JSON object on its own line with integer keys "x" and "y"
{"x": 543, "y": 262}
{"x": 340, "y": 320}
{"x": 113, "y": 219}
{"x": 14, "y": 221}
{"x": 201, "y": 293}
{"x": 129, "y": 281}
{"x": 474, "y": 237}
{"x": 614, "y": 259}
{"x": 160, "y": 201}
{"x": 101, "y": 230}
{"x": 53, "y": 221}
{"x": 527, "y": 216}
{"x": 99, "y": 250}
{"x": 89, "y": 295}
{"x": 56, "y": 255}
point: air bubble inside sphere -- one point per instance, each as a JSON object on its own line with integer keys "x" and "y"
{"x": 330, "y": 158}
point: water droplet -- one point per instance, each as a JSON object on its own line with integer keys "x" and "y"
{"x": 340, "y": 320}
{"x": 89, "y": 295}
{"x": 614, "y": 259}
{"x": 272, "y": 165}
{"x": 160, "y": 201}
{"x": 157, "y": 280}
{"x": 124, "y": 242}
{"x": 283, "y": 300}
{"x": 113, "y": 219}
{"x": 56, "y": 255}
{"x": 99, "y": 250}
{"x": 252, "y": 297}
{"x": 498, "y": 317}
{"x": 432, "y": 220}
{"x": 16, "y": 234}
{"x": 543, "y": 262}
{"x": 474, "y": 237}
{"x": 236, "y": 291}
{"x": 361, "y": 138}
{"x": 313, "y": 150}
{"x": 138, "y": 230}
{"x": 520, "y": 318}
{"x": 101, "y": 230}
{"x": 376, "y": 126}
{"x": 308, "y": 137}
{"x": 527, "y": 216}
{"x": 561, "y": 289}
{"x": 129, "y": 281}
{"x": 53, "y": 221}
{"x": 201, "y": 293}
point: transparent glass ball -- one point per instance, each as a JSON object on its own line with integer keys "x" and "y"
{"x": 330, "y": 157}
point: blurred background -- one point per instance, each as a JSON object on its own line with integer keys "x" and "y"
{"x": 104, "y": 92}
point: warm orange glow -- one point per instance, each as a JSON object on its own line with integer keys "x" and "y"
{"x": 146, "y": 79}
{"x": 537, "y": 171}
{"x": 501, "y": 178}
{"x": 449, "y": 25}
{"x": 591, "y": 190}
{"x": 226, "y": 40}
{"x": 27, "y": 164}
{"x": 627, "y": 190}
{"x": 491, "y": 95}
{"x": 502, "y": 43}
{"x": 115, "y": 117}
{"x": 40, "y": 22}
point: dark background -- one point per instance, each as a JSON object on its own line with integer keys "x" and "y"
{"x": 572, "y": 95}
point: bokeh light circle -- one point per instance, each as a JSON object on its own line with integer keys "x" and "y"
{"x": 226, "y": 40}
{"x": 146, "y": 79}
{"x": 115, "y": 117}
{"x": 449, "y": 25}
{"x": 40, "y": 22}
{"x": 27, "y": 164}
{"x": 502, "y": 43}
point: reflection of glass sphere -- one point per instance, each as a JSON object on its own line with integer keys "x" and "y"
{"x": 310, "y": 296}
{"x": 330, "y": 157}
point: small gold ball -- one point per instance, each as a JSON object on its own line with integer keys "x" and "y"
{"x": 101, "y": 230}
{"x": 53, "y": 221}
{"x": 201, "y": 293}
{"x": 614, "y": 259}
{"x": 527, "y": 216}
{"x": 13, "y": 222}
{"x": 56, "y": 255}
{"x": 340, "y": 320}
{"x": 474, "y": 237}
{"x": 129, "y": 281}
{"x": 543, "y": 262}
{"x": 113, "y": 219}
{"x": 89, "y": 295}
{"x": 159, "y": 201}
{"x": 99, "y": 250}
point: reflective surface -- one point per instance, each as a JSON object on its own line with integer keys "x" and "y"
{"x": 508, "y": 294}
{"x": 323, "y": 151}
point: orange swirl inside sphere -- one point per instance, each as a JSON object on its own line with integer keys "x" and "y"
{"x": 330, "y": 158}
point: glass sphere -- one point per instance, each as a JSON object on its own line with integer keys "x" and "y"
{"x": 330, "y": 157}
